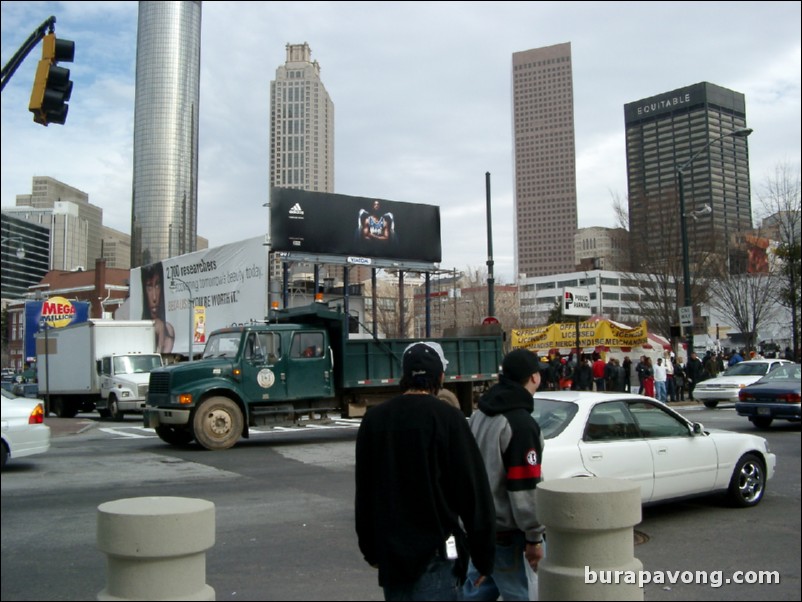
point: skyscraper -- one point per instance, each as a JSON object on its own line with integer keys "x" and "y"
{"x": 545, "y": 160}
{"x": 663, "y": 133}
{"x": 301, "y": 125}
{"x": 301, "y": 130}
{"x": 165, "y": 183}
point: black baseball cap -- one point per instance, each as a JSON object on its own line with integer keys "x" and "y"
{"x": 424, "y": 358}
{"x": 519, "y": 365}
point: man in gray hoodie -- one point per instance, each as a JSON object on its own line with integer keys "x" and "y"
{"x": 512, "y": 447}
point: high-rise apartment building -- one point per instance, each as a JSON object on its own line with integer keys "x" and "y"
{"x": 545, "y": 160}
{"x": 663, "y": 133}
{"x": 164, "y": 219}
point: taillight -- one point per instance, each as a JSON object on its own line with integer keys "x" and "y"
{"x": 37, "y": 415}
{"x": 790, "y": 398}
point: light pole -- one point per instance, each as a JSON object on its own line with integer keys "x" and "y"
{"x": 191, "y": 311}
{"x": 686, "y": 268}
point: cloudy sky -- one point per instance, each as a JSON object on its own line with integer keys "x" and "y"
{"x": 422, "y": 100}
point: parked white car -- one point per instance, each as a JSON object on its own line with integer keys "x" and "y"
{"x": 640, "y": 439}
{"x": 727, "y": 385}
{"x": 24, "y": 431}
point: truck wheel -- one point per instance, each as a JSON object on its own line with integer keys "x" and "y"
{"x": 174, "y": 436}
{"x": 63, "y": 409}
{"x": 114, "y": 409}
{"x": 217, "y": 423}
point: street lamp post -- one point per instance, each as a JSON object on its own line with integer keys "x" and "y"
{"x": 686, "y": 268}
{"x": 191, "y": 311}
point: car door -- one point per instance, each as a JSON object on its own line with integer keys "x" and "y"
{"x": 611, "y": 447}
{"x": 684, "y": 463}
{"x": 263, "y": 368}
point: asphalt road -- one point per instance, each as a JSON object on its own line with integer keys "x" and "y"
{"x": 284, "y": 516}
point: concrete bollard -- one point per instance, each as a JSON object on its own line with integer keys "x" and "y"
{"x": 589, "y": 533}
{"x": 156, "y": 548}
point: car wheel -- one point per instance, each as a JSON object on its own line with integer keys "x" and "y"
{"x": 710, "y": 404}
{"x": 748, "y": 483}
{"x": 5, "y": 456}
{"x": 114, "y": 410}
{"x": 174, "y": 436}
{"x": 217, "y": 423}
{"x": 761, "y": 422}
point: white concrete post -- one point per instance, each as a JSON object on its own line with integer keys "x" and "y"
{"x": 589, "y": 536}
{"x": 156, "y": 548}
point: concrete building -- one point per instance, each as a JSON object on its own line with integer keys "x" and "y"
{"x": 664, "y": 132}
{"x": 164, "y": 218}
{"x": 600, "y": 248}
{"x": 74, "y": 222}
{"x": 545, "y": 160}
{"x": 613, "y": 295}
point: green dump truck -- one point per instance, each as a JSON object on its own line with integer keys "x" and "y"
{"x": 295, "y": 369}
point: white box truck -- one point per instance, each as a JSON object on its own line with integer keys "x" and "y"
{"x": 98, "y": 364}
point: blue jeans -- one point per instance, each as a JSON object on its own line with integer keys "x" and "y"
{"x": 508, "y": 578}
{"x": 437, "y": 582}
{"x": 660, "y": 390}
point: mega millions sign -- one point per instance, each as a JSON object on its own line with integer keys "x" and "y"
{"x": 55, "y": 312}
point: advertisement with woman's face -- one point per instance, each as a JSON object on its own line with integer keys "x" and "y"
{"x": 153, "y": 306}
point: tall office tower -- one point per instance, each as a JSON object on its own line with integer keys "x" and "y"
{"x": 663, "y": 133}
{"x": 301, "y": 125}
{"x": 301, "y": 130}
{"x": 164, "y": 218}
{"x": 545, "y": 161}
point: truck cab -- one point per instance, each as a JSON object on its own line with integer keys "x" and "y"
{"x": 124, "y": 382}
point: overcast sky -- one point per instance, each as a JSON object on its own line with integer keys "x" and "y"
{"x": 421, "y": 94}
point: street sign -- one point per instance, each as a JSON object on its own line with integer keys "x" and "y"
{"x": 576, "y": 302}
{"x": 490, "y": 320}
{"x": 686, "y": 315}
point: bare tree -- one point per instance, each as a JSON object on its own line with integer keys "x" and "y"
{"x": 655, "y": 282}
{"x": 780, "y": 210}
{"x": 747, "y": 299}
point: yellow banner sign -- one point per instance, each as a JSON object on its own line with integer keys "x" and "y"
{"x": 591, "y": 334}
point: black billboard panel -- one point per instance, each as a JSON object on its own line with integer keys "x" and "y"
{"x": 337, "y": 224}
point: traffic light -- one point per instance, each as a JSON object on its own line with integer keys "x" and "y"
{"x": 52, "y": 86}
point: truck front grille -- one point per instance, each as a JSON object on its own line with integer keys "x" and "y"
{"x": 159, "y": 383}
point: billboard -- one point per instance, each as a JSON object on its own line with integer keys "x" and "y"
{"x": 227, "y": 286}
{"x": 57, "y": 312}
{"x": 336, "y": 224}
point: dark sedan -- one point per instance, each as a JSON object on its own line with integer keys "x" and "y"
{"x": 775, "y": 396}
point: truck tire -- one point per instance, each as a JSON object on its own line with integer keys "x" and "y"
{"x": 174, "y": 436}
{"x": 114, "y": 409}
{"x": 217, "y": 423}
{"x": 63, "y": 408}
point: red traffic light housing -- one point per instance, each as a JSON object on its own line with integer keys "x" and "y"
{"x": 52, "y": 87}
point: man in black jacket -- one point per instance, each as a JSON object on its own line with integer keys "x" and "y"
{"x": 694, "y": 373}
{"x": 418, "y": 473}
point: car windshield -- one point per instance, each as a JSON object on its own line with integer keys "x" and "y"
{"x": 784, "y": 372}
{"x": 747, "y": 369}
{"x": 553, "y": 416}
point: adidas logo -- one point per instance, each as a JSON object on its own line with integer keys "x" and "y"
{"x": 296, "y": 209}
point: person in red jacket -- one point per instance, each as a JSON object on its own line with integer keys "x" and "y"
{"x": 598, "y": 373}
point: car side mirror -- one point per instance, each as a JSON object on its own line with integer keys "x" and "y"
{"x": 697, "y": 429}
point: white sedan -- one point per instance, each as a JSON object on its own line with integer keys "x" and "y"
{"x": 640, "y": 439}
{"x": 727, "y": 385}
{"x": 24, "y": 431}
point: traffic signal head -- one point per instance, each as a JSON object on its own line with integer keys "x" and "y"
{"x": 52, "y": 87}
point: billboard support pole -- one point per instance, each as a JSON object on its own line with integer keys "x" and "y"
{"x": 491, "y": 301}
